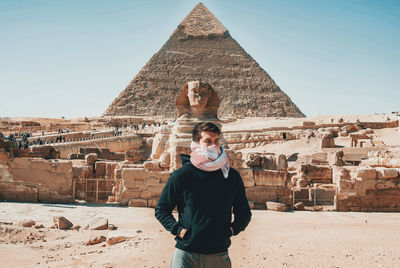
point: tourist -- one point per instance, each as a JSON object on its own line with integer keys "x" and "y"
{"x": 205, "y": 190}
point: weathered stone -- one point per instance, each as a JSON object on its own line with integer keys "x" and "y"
{"x": 302, "y": 183}
{"x": 18, "y": 191}
{"x": 110, "y": 167}
{"x": 62, "y": 223}
{"x": 165, "y": 160}
{"x": 26, "y": 223}
{"x": 91, "y": 158}
{"x": 387, "y": 173}
{"x": 262, "y": 194}
{"x": 129, "y": 193}
{"x": 282, "y": 162}
{"x": 98, "y": 223}
{"x": 276, "y": 206}
{"x": 247, "y": 176}
{"x": 253, "y": 160}
{"x": 152, "y": 191}
{"x": 327, "y": 141}
{"x": 118, "y": 237}
{"x": 44, "y": 151}
{"x": 100, "y": 168}
{"x": 39, "y": 226}
{"x": 366, "y": 173}
{"x": 137, "y": 202}
{"x": 152, "y": 165}
{"x": 112, "y": 227}
{"x": 269, "y": 177}
{"x": 138, "y": 174}
{"x": 299, "y": 206}
{"x": 268, "y": 162}
{"x": 152, "y": 202}
{"x": 133, "y": 156}
{"x": 96, "y": 240}
{"x": 316, "y": 173}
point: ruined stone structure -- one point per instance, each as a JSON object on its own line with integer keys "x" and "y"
{"x": 130, "y": 166}
{"x": 202, "y": 48}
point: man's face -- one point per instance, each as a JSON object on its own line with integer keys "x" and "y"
{"x": 209, "y": 138}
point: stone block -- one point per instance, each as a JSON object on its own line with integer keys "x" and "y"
{"x": 62, "y": 222}
{"x": 18, "y": 191}
{"x": 152, "y": 191}
{"x": 110, "y": 167}
{"x": 133, "y": 155}
{"x": 98, "y": 223}
{"x": 247, "y": 176}
{"x": 366, "y": 173}
{"x": 269, "y": 162}
{"x": 269, "y": 177}
{"x": 152, "y": 165}
{"x": 117, "y": 173}
{"x": 128, "y": 194}
{"x": 387, "y": 173}
{"x": 91, "y": 158}
{"x": 262, "y": 194}
{"x": 253, "y": 160}
{"x": 138, "y": 174}
{"x": 299, "y": 206}
{"x": 51, "y": 195}
{"x": 152, "y": 180}
{"x": 152, "y": 202}
{"x": 316, "y": 173}
{"x": 100, "y": 168}
{"x": 276, "y": 206}
{"x": 282, "y": 162}
{"x": 82, "y": 172}
{"x": 132, "y": 183}
{"x": 137, "y": 202}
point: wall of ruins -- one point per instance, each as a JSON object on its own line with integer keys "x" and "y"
{"x": 241, "y": 140}
{"x": 367, "y": 188}
{"x": 114, "y": 144}
{"x": 265, "y": 179}
{"x": 35, "y": 179}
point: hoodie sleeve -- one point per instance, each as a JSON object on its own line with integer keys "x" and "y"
{"x": 241, "y": 208}
{"x": 166, "y": 203}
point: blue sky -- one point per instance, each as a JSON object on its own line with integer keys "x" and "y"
{"x": 73, "y": 58}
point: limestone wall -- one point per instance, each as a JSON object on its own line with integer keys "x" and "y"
{"x": 367, "y": 189}
{"x": 143, "y": 184}
{"x": 240, "y": 140}
{"x": 114, "y": 144}
{"x": 36, "y": 180}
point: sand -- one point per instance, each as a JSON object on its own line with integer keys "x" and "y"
{"x": 272, "y": 239}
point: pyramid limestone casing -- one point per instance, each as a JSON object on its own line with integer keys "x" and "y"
{"x": 201, "y": 48}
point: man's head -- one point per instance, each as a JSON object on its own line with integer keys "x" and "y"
{"x": 206, "y": 133}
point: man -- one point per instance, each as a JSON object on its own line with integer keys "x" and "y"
{"x": 204, "y": 190}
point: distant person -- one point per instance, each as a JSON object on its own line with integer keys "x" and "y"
{"x": 206, "y": 191}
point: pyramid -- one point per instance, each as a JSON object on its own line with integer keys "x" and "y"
{"x": 201, "y": 48}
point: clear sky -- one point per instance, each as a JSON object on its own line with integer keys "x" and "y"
{"x": 73, "y": 58}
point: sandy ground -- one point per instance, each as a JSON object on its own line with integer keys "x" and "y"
{"x": 272, "y": 239}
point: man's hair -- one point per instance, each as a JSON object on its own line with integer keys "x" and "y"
{"x": 204, "y": 126}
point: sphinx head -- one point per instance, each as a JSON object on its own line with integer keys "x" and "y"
{"x": 198, "y": 99}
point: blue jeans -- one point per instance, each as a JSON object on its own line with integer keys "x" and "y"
{"x": 185, "y": 259}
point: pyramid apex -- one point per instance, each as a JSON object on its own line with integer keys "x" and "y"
{"x": 200, "y": 22}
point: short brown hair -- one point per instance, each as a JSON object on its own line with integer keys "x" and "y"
{"x": 204, "y": 126}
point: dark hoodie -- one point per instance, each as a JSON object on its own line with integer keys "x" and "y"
{"x": 204, "y": 200}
